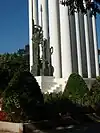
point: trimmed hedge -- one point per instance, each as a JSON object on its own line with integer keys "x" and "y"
{"x": 75, "y": 88}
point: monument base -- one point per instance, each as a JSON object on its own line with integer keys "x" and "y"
{"x": 49, "y": 84}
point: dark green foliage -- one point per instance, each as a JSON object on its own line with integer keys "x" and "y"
{"x": 52, "y": 97}
{"x": 76, "y": 85}
{"x": 23, "y": 93}
{"x": 95, "y": 94}
{"x": 76, "y": 88}
{"x": 4, "y": 79}
{"x": 98, "y": 78}
{"x": 13, "y": 62}
{"x": 10, "y": 64}
{"x": 56, "y": 107}
{"x": 80, "y": 6}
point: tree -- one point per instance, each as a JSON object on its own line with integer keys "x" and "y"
{"x": 23, "y": 94}
{"x": 80, "y": 6}
{"x": 13, "y": 62}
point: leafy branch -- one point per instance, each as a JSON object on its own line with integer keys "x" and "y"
{"x": 82, "y": 5}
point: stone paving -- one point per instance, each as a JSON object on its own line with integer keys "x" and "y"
{"x": 94, "y": 128}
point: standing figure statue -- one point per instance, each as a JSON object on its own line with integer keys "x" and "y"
{"x": 41, "y": 66}
{"x": 36, "y": 39}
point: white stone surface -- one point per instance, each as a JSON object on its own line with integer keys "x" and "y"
{"x": 11, "y": 127}
{"x": 95, "y": 45}
{"x": 91, "y": 43}
{"x": 83, "y": 44}
{"x": 45, "y": 25}
{"x": 87, "y": 46}
{"x": 51, "y": 84}
{"x": 73, "y": 43}
{"x": 54, "y": 28}
{"x": 45, "y": 18}
{"x": 39, "y": 13}
{"x": 35, "y": 12}
{"x": 65, "y": 33}
{"x": 30, "y": 33}
{"x": 78, "y": 39}
{"x": 65, "y": 42}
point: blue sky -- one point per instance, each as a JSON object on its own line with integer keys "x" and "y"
{"x": 14, "y": 25}
{"x": 98, "y": 29}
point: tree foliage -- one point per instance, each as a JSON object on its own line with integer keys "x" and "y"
{"x": 13, "y": 62}
{"x": 82, "y": 5}
{"x": 4, "y": 79}
{"x": 76, "y": 88}
{"x": 23, "y": 93}
{"x": 95, "y": 93}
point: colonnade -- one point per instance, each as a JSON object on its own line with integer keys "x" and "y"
{"x": 73, "y": 38}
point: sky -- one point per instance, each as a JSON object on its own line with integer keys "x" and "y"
{"x": 14, "y": 25}
{"x": 98, "y": 29}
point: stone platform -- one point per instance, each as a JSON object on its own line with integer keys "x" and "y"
{"x": 51, "y": 84}
{"x": 10, "y": 127}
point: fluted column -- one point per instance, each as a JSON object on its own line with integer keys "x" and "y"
{"x": 83, "y": 46}
{"x": 54, "y": 27}
{"x": 78, "y": 39}
{"x": 30, "y": 33}
{"x": 40, "y": 12}
{"x": 95, "y": 45}
{"x": 91, "y": 42}
{"x": 45, "y": 18}
{"x": 65, "y": 42}
{"x": 73, "y": 43}
{"x": 35, "y": 11}
{"x": 87, "y": 46}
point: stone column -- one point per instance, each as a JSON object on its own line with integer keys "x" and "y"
{"x": 35, "y": 11}
{"x": 87, "y": 46}
{"x": 40, "y": 12}
{"x": 73, "y": 43}
{"x": 30, "y": 33}
{"x": 95, "y": 45}
{"x": 45, "y": 18}
{"x": 65, "y": 42}
{"x": 55, "y": 42}
{"x": 91, "y": 43}
{"x": 83, "y": 44}
{"x": 78, "y": 39}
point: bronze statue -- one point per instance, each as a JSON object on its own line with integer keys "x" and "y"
{"x": 41, "y": 66}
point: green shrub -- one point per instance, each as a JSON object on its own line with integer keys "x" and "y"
{"x": 23, "y": 94}
{"x": 76, "y": 88}
{"x": 52, "y": 105}
{"x": 98, "y": 78}
{"x": 52, "y": 97}
{"x": 95, "y": 94}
